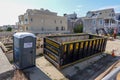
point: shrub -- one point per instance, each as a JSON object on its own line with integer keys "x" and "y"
{"x": 9, "y": 29}
{"x": 78, "y": 28}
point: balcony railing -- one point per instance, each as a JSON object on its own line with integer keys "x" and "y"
{"x": 110, "y": 25}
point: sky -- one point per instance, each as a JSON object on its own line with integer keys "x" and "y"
{"x": 11, "y": 9}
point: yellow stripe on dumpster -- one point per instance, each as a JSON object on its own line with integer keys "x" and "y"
{"x": 90, "y": 43}
{"x": 81, "y": 46}
{"x": 86, "y": 44}
{"x": 65, "y": 46}
{"x": 52, "y": 49}
{"x": 94, "y": 42}
{"x": 71, "y": 47}
{"x": 52, "y": 43}
{"x": 97, "y": 42}
{"x": 77, "y": 45}
{"x": 51, "y": 56}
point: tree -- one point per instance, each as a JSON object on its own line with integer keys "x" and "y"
{"x": 1, "y": 30}
{"x": 9, "y": 29}
{"x": 78, "y": 28}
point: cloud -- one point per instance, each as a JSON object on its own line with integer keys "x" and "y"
{"x": 10, "y": 10}
{"x": 78, "y": 7}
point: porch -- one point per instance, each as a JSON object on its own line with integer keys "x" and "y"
{"x": 110, "y": 23}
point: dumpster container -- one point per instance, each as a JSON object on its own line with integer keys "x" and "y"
{"x": 24, "y": 50}
{"x": 63, "y": 50}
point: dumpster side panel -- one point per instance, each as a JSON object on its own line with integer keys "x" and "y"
{"x": 51, "y": 51}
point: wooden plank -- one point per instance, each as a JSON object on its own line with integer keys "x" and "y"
{"x": 107, "y": 71}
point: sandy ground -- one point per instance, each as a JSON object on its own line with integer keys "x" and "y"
{"x": 49, "y": 69}
{"x": 113, "y": 45}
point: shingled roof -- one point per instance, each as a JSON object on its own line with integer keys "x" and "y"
{"x": 105, "y": 13}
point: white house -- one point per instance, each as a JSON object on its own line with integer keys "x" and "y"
{"x": 99, "y": 19}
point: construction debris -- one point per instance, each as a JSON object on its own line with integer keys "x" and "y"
{"x": 19, "y": 75}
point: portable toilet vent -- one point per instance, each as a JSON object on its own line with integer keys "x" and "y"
{"x": 24, "y": 50}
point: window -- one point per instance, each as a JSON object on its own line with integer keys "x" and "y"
{"x": 112, "y": 11}
{"x": 112, "y": 15}
{"x": 62, "y": 28}
{"x": 20, "y": 21}
{"x": 57, "y": 28}
{"x": 94, "y": 22}
{"x": 26, "y": 20}
{"x": 55, "y": 21}
{"x": 26, "y": 28}
{"x": 42, "y": 29}
{"x": 61, "y": 21}
{"x": 31, "y": 19}
{"x": 101, "y": 22}
{"x": 109, "y": 14}
{"x": 119, "y": 17}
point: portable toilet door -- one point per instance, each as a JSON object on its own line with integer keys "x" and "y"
{"x": 29, "y": 51}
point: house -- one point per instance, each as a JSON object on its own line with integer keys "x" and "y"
{"x": 73, "y": 21}
{"x": 117, "y": 19}
{"x": 42, "y": 21}
{"x": 99, "y": 19}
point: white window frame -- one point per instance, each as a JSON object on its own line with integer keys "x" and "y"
{"x": 100, "y": 21}
{"x": 94, "y": 22}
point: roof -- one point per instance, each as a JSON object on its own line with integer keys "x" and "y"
{"x": 105, "y": 13}
{"x": 41, "y": 11}
{"x": 78, "y": 20}
{"x": 23, "y": 34}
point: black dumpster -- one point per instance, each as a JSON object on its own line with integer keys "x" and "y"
{"x": 63, "y": 50}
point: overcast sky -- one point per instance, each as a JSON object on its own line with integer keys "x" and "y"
{"x": 10, "y": 9}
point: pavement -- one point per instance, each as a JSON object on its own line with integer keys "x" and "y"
{"x": 34, "y": 73}
{"x": 5, "y": 67}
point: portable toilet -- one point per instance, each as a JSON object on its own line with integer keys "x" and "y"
{"x": 24, "y": 50}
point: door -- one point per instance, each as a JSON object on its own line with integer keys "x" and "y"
{"x": 28, "y": 52}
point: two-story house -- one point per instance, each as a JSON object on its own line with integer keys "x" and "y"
{"x": 117, "y": 19}
{"x": 73, "y": 21}
{"x": 99, "y": 19}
